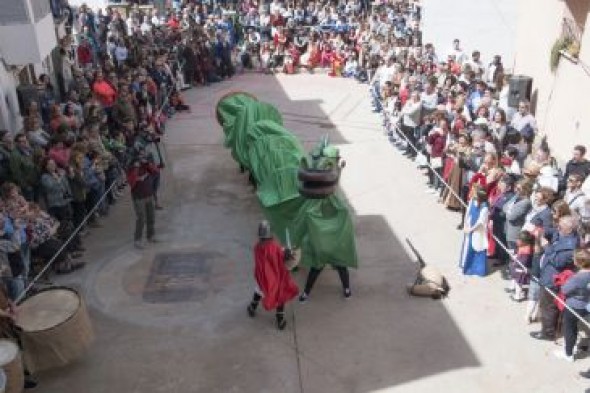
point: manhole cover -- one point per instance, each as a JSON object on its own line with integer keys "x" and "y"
{"x": 178, "y": 277}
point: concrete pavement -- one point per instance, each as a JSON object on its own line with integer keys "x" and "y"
{"x": 172, "y": 318}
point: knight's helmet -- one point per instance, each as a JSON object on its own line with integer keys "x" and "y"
{"x": 264, "y": 230}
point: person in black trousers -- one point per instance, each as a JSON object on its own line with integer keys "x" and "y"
{"x": 577, "y": 296}
{"x": 313, "y": 275}
{"x": 557, "y": 257}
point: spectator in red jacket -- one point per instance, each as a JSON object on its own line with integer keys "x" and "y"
{"x": 60, "y": 153}
{"x": 277, "y": 19}
{"x": 437, "y": 140}
{"x": 173, "y": 22}
{"x": 84, "y": 53}
{"x": 104, "y": 90}
{"x": 140, "y": 177}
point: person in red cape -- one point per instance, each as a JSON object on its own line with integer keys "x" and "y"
{"x": 275, "y": 286}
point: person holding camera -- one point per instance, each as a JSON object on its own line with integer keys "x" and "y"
{"x": 140, "y": 177}
{"x": 58, "y": 197}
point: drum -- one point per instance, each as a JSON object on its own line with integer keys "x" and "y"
{"x": 12, "y": 366}
{"x": 56, "y": 329}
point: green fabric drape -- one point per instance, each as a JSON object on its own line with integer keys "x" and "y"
{"x": 255, "y": 135}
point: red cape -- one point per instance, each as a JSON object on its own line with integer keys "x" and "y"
{"x": 272, "y": 276}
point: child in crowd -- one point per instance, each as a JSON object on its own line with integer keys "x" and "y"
{"x": 519, "y": 267}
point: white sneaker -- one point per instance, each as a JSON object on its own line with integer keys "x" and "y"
{"x": 560, "y": 354}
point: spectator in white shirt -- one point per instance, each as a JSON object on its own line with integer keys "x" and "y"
{"x": 275, "y": 6}
{"x": 476, "y": 64}
{"x": 523, "y": 117}
{"x": 495, "y": 72}
{"x": 574, "y": 196}
{"x": 155, "y": 18}
{"x": 456, "y": 51}
{"x": 111, "y": 46}
{"x": 387, "y": 72}
{"x": 131, "y": 23}
{"x": 429, "y": 98}
{"x": 121, "y": 53}
{"x": 411, "y": 119}
{"x": 514, "y": 168}
{"x": 146, "y": 26}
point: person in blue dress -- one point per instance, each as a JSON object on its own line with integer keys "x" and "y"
{"x": 475, "y": 242}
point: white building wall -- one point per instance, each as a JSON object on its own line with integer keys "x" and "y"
{"x": 28, "y": 43}
{"x": 94, "y": 4}
{"x": 486, "y": 25}
{"x": 562, "y": 99}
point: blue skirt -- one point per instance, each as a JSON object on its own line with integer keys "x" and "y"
{"x": 474, "y": 263}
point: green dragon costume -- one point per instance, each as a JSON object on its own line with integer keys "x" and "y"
{"x": 321, "y": 228}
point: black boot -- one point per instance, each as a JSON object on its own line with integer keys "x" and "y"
{"x": 29, "y": 383}
{"x": 253, "y": 305}
{"x": 252, "y": 310}
{"x": 281, "y": 322}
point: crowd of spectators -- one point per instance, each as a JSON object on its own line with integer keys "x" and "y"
{"x": 88, "y": 136}
{"x": 448, "y": 111}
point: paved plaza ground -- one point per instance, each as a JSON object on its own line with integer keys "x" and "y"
{"x": 172, "y": 318}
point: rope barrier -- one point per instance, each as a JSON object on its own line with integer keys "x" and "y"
{"x": 86, "y": 218}
{"x": 498, "y": 241}
{"x": 65, "y": 244}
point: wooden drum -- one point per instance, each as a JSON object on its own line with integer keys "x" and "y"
{"x": 12, "y": 365}
{"x": 56, "y": 329}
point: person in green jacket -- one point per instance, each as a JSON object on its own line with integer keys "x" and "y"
{"x": 23, "y": 170}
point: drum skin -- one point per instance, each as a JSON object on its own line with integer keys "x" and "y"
{"x": 63, "y": 339}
